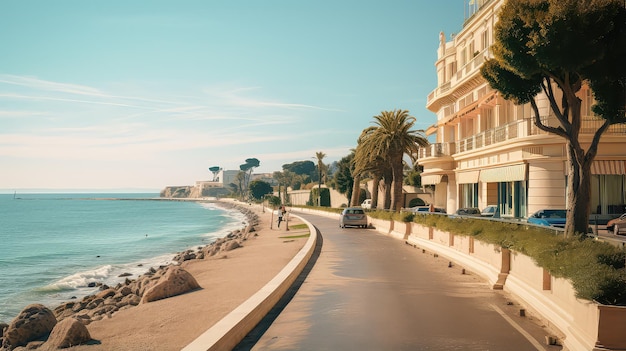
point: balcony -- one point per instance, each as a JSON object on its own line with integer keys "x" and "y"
{"x": 509, "y": 132}
{"x": 436, "y": 150}
{"x": 470, "y": 69}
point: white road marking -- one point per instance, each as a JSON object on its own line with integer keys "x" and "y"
{"x": 528, "y": 337}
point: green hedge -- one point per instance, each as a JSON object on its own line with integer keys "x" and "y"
{"x": 595, "y": 269}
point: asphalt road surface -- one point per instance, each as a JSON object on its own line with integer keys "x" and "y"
{"x": 367, "y": 291}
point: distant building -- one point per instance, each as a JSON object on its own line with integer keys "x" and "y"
{"x": 218, "y": 187}
{"x": 227, "y": 177}
{"x": 487, "y": 150}
{"x": 266, "y": 177}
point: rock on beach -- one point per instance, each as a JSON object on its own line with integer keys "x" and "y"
{"x": 34, "y": 322}
{"x": 69, "y": 332}
{"x": 174, "y": 282}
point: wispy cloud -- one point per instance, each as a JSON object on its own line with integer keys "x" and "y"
{"x": 39, "y": 84}
{"x": 7, "y": 114}
{"x": 237, "y": 97}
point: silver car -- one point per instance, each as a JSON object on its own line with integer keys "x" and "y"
{"x": 353, "y": 216}
{"x": 617, "y": 225}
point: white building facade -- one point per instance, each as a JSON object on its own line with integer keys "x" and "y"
{"x": 487, "y": 150}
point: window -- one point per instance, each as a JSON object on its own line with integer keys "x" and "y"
{"x": 587, "y": 102}
{"x": 523, "y": 111}
{"x": 463, "y": 60}
{"x": 512, "y": 198}
{"x": 469, "y": 195}
{"x": 485, "y": 40}
{"x": 608, "y": 194}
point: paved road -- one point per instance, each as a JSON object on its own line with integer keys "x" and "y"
{"x": 367, "y": 291}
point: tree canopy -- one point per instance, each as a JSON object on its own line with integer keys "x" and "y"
{"x": 301, "y": 168}
{"x": 342, "y": 178}
{"x": 556, "y": 47}
{"x": 215, "y": 170}
{"x": 246, "y": 169}
{"x": 259, "y": 188}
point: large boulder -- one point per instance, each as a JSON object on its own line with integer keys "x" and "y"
{"x": 174, "y": 282}
{"x": 34, "y": 322}
{"x": 231, "y": 245}
{"x": 68, "y": 332}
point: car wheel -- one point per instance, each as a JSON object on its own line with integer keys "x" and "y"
{"x": 616, "y": 230}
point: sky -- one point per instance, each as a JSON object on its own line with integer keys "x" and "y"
{"x": 123, "y": 95}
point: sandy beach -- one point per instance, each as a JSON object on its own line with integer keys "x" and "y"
{"x": 226, "y": 280}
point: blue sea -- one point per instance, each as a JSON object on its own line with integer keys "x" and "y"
{"x": 53, "y": 245}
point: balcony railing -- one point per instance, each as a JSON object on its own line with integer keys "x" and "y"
{"x": 436, "y": 150}
{"x": 469, "y": 69}
{"x": 518, "y": 129}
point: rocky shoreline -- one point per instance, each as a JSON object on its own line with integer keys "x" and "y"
{"x": 38, "y": 327}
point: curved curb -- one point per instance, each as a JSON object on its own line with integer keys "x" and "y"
{"x": 231, "y": 329}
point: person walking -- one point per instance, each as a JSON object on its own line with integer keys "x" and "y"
{"x": 281, "y": 210}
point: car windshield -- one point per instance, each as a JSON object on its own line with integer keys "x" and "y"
{"x": 553, "y": 214}
{"x": 354, "y": 211}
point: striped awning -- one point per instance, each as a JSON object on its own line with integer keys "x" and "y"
{"x": 608, "y": 167}
{"x": 504, "y": 174}
{"x": 431, "y": 179}
{"x": 468, "y": 177}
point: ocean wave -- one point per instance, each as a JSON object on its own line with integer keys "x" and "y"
{"x": 233, "y": 219}
{"x": 107, "y": 274}
{"x": 78, "y": 280}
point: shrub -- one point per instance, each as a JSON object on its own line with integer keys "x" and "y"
{"x": 381, "y": 214}
{"x": 403, "y": 216}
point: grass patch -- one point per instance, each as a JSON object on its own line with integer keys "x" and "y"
{"x": 299, "y": 226}
{"x": 595, "y": 269}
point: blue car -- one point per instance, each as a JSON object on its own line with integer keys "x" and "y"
{"x": 548, "y": 217}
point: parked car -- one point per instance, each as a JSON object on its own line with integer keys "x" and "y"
{"x": 353, "y": 216}
{"x": 468, "y": 211}
{"x": 367, "y": 204}
{"x": 489, "y": 211}
{"x": 617, "y": 225}
{"x": 549, "y": 217}
{"x": 426, "y": 209}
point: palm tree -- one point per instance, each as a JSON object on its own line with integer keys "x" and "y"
{"x": 391, "y": 138}
{"x": 375, "y": 166}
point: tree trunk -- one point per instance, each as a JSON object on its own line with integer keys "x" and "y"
{"x": 387, "y": 203}
{"x": 375, "y": 184}
{"x": 578, "y": 191}
{"x": 398, "y": 176}
{"x": 356, "y": 191}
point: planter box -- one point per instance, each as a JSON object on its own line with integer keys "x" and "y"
{"x": 381, "y": 225}
{"x": 400, "y": 230}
